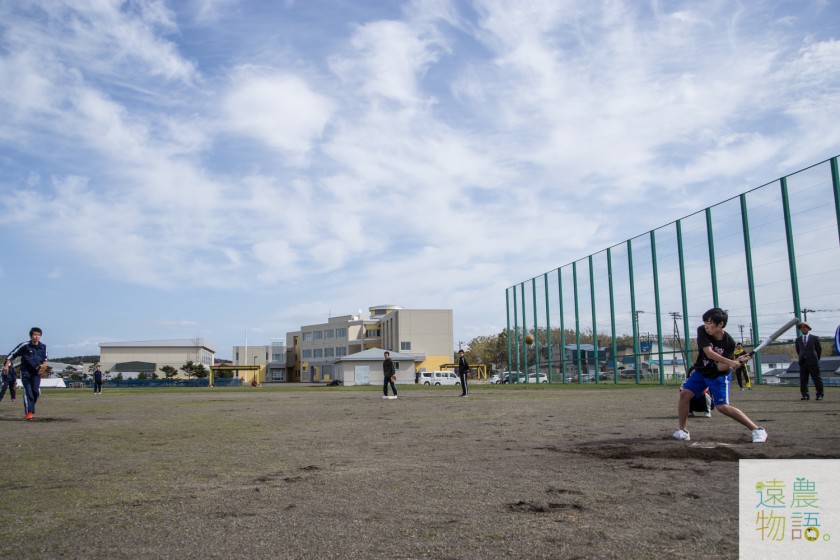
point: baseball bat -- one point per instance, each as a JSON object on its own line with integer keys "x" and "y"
{"x": 779, "y": 332}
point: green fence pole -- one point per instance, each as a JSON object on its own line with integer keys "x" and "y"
{"x": 562, "y": 326}
{"x": 835, "y": 180}
{"x": 515, "y": 332}
{"x": 524, "y": 334}
{"x": 745, "y": 221}
{"x": 507, "y": 309}
{"x": 711, "y": 237}
{"x": 633, "y": 309}
{"x": 577, "y": 321}
{"x": 547, "y": 327}
{"x": 536, "y": 332}
{"x": 612, "y": 317}
{"x": 794, "y": 282}
{"x": 594, "y": 324}
{"x": 657, "y": 305}
{"x": 684, "y": 292}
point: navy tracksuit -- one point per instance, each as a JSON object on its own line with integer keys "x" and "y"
{"x": 10, "y": 381}
{"x": 31, "y": 357}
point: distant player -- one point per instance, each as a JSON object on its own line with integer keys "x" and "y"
{"x": 97, "y": 381}
{"x": 8, "y": 380}
{"x": 716, "y": 350}
{"x": 463, "y": 371}
{"x": 33, "y": 363}
{"x": 743, "y": 370}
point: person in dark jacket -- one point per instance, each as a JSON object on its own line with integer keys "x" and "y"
{"x": 9, "y": 380}
{"x": 389, "y": 373}
{"x": 463, "y": 370}
{"x": 809, "y": 351}
{"x": 97, "y": 382}
{"x": 33, "y": 363}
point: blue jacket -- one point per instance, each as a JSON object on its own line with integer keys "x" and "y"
{"x": 31, "y": 357}
{"x": 9, "y": 377}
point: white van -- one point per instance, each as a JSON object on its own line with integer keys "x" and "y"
{"x": 439, "y": 378}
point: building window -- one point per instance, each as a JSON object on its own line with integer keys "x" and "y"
{"x": 318, "y": 353}
{"x": 340, "y": 351}
{"x": 319, "y": 335}
{"x": 341, "y": 332}
{"x": 307, "y": 337}
{"x": 329, "y": 333}
{"x": 329, "y": 352}
{"x": 405, "y": 345}
{"x": 306, "y": 354}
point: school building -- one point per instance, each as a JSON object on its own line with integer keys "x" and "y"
{"x": 133, "y": 358}
{"x": 422, "y": 337}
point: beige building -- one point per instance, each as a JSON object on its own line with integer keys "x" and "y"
{"x": 312, "y": 353}
{"x": 149, "y": 356}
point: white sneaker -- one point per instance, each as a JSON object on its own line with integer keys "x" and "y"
{"x": 707, "y": 415}
{"x": 384, "y": 396}
{"x": 759, "y": 435}
{"x": 394, "y": 397}
{"x": 682, "y": 435}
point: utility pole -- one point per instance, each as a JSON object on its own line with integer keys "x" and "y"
{"x": 805, "y": 313}
{"x": 741, "y": 328}
{"x": 677, "y": 342}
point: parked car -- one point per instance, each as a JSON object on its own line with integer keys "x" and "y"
{"x": 512, "y": 376}
{"x": 495, "y": 379}
{"x": 532, "y": 378}
{"x": 439, "y": 378}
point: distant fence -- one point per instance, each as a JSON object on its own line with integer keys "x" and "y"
{"x": 629, "y": 313}
{"x": 137, "y": 383}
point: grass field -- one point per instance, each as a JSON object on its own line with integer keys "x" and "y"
{"x": 294, "y": 472}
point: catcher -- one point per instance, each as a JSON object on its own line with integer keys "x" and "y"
{"x": 33, "y": 364}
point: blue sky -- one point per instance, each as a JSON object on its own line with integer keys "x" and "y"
{"x": 207, "y": 167}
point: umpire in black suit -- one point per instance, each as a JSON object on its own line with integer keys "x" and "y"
{"x": 809, "y": 351}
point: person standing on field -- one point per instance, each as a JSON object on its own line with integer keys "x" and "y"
{"x": 33, "y": 363}
{"x": 97, "y": 381}
{"x": 9, "y": 380}
{"x": 463, "y": 370}
{"x": 743, "y": 370}
{"x": 389, "y": 373}
{"x": 809, "y": 350}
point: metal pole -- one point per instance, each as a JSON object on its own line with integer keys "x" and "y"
{"x": 562, "y": 327}
{"x": 577, "y": 321}
{"x": 633, "y": 309}
{"x": 536, "y": 333}
{"x": 835, "y": 180}
{"x": 711, "y": 237}
{"x": 524, "y": 334}
{"x": 547, "y": 327}
{"x": 594, "y": 325}
{"x": 516, "y": 333}
{"x": 656, "y": 303}
{"x": 612, "y": 317}
{"x": 684, "y": 292}
{"x": 507, "y": 310}
{"x": 794, "y": 282}
{"x": 745, "y": 221}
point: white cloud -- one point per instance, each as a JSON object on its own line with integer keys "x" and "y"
{"x": 279, "y": 109}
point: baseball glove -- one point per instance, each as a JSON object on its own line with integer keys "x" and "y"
{"x": 394, "y": 378}
{"x": 42, "y": 369}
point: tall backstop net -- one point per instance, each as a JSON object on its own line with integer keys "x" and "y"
{"x": 629, "y": 313}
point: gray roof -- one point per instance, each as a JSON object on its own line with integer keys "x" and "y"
{"x": 175, "y": 343}
{"x": 374, "y": 354}
{"x": 775, "y": 358}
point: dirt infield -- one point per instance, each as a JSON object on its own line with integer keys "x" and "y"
{"x": 517, "y": 472}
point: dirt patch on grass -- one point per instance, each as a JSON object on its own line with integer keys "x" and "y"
{"x": 548, "y": 472}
